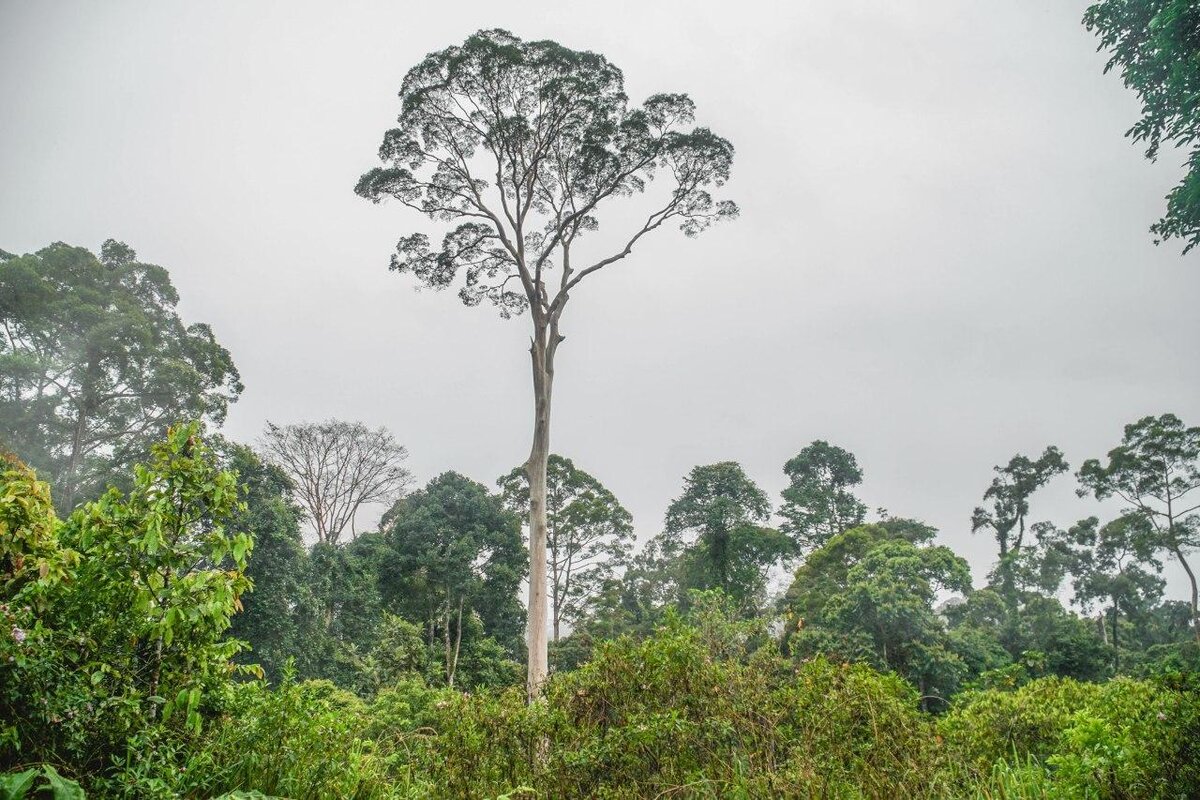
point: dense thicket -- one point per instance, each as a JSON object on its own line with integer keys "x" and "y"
{"x": 121, "y": 669}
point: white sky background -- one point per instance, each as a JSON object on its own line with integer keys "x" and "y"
{"x": 942, "y": 258}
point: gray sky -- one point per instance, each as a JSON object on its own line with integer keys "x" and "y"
{"x": 942, "y": 258}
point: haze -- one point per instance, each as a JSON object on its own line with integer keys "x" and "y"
{"x": 942, "y": 258}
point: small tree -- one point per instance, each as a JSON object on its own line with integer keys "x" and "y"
{"x": 337, "y": 467}
{"x": 134, "y": 630}
{"x": 454, "y": 554}
{"x": 588, "y": 534}
{"x": 868, "y": 594}
{"x": 270, "y": 619}
{"x": 1014, "y": 484}
{"x": 518, "y": 145}
{"x": 1154, "y": 470}
{"x": 818, "y": 503}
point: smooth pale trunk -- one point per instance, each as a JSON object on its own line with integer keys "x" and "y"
{"x": 542, "y": 355}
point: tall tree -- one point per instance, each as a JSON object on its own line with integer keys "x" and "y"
{"x": 818, "y": 503}
{"x": 588, "y": 534}
{"x": 95, "y": 363}
{"x": 518, "y": 145}
{"x": 454, "y": 551}
{"x": 1014, "y": 484}
{"x": 1155, "y": 44}
{"x": 724, "y": 512}
{"x": 1155, "y": 470}
{"x": 337, "y": 467}
{"x": 1117, "y": 566}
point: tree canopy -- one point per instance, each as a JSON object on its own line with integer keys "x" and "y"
{"x": 337, "y": 467}
{"x": 95, "y": 363}
{"x": 519, "y": 143}
{"x": 1010, "y": 492}
{"x": 454, "y": 552}
{"x": 818, "y": 502}
{"x": 729, "y": 547}
{"x": 1155, "y": 45}
{"x": 589, "y": 535}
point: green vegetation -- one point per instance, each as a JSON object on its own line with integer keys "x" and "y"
{"x": 118, "y": 672}
{"x": 166, "y": 631}
{"x": 1154, "y": 43}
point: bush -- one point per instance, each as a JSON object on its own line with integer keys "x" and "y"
{"x": 304, "y": 741}
{"x": 1122, "y": 739}
{"x": 690, "y": 712}
{"x": 1135, "y": 739}
{"x": 985, "y": 727}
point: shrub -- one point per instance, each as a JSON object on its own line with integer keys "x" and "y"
{"x": 988, "y": 726}
{"x": 1135, "y": 739}
{"x": 304, "y": 741}
{"x": 1125, "y": 739}
{"x": 689, "y": 712}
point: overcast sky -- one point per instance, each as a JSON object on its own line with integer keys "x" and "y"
{"x": 942, "y": 259}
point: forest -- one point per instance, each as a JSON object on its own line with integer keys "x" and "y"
{"x": 186, "y": 615}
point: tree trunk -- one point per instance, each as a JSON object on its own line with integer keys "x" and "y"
{"x": 545, "y": 342}
{"x": 1195, "y": 593}
{"x": 452, "y": 660}
{"x": 156, "y": 675}
{"x": 446, "y": 642}
{"x": 73, "y": 464}
{"x": 1116, "y": 646}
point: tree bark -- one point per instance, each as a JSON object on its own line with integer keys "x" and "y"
{"x": 542, "y": 349}
{"x": 76, "y": 457}
{"x": 1195, "y": 591}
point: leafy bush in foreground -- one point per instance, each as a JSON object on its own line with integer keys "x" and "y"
{"x": 1122, "y": 739}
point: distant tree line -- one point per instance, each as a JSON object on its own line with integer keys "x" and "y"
{"x": 94, "y": 348}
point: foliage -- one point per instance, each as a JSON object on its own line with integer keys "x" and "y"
{"x": 454, "y": 554}
{"x": 19, "y": 785}
{"x": 1154, "y": 471}
{"x": 305, "y": 741}
{"x": 867, "y": 595}
{"x": 1154, "y": 42}
{"x": 1116, "y": 564}
{"x": 818, "y": 503}
{"x": 1121, "y": 739}
{"x": 133, "y": 636}
{"x": 1044, "y": 638}
{"x": 722, "y": 511}
{"x": 693, "y": 714}
{"x": 276, "y": 620}
{"x": 95, "y": 362}
{"x": 520, "y": 143}
{"x": 588, "y": 535}
{"x": 1014, "y": 484}
{"x": 31, "y": 557}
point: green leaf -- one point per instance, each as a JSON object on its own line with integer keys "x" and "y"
{"x": 62, "y": 788}
{"x": 15, "y": 785}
